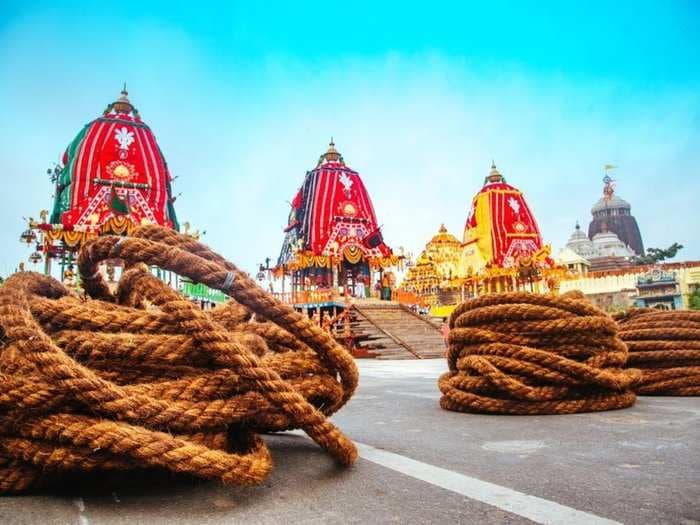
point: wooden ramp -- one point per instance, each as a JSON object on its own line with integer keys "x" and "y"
{"x": 392, "y": 331}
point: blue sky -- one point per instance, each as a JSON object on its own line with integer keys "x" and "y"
{"x": 243, "y": 98}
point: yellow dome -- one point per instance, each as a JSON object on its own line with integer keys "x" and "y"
{"x": 443, "y": 237}
{"x": 436, "y": 266}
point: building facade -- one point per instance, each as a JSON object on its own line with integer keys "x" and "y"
{"x": 658, "y": 289}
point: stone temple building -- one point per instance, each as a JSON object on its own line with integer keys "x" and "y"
{"x": 613, "y": 214}
{"x": 613, "y": 235}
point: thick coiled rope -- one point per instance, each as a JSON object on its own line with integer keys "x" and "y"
{"x": 523, "y": 353}
{"x": 143, "y": 378}
{"x": 665, "y": 345}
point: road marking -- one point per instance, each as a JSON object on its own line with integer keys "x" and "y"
{"x": 530, "y": 507}
{"x": 82, "y": 518}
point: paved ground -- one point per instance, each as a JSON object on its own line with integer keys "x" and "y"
{"x": 421, "y": 464}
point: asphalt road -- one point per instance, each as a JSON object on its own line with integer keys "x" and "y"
{"x": 420, "y": 464}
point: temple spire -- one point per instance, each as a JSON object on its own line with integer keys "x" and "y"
{"x": 331, "y": 154}
{"x": 494, "y": 175}
{"x": 123, "y": 105}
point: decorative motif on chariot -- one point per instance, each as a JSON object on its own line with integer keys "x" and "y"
{"x": 118, "y": 204}
{"x": 526, "y": 267}
{"x": 353, "y": 254}
{"x": 518, "y": 248}
{"x": 346, "y": 181}
{"x": 514, "y": 205}
{"x": 113, "y": 202}
{"x": 347, "y": 209}
{"x": 519, "y": 227}
{"x": 125, "y": 138}
{"x": 120, "y": 170}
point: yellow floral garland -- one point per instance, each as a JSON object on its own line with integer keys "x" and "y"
{"x": 351, "y": 254}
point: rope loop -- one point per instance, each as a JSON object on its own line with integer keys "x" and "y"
{"x": 665, "y": 346}
{"x": 524, "y": 353}
{"x": 132, "y": 375}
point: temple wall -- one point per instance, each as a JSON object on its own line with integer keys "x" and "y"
{"x": 616, "y": 283}
{"x": 602, "y": 284}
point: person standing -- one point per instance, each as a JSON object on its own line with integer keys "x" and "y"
{"x": 361, "y": 288}
{"x": 445, "y": 329}
{"x": 386, "y": 288}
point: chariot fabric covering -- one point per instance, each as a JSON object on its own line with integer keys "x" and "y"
{"x": 112, "y": 169}
{"x": 332, "y": 215}
{"x": 500, "y": 227}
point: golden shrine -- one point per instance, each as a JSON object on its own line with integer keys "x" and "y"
{"x": 437, "y": 267}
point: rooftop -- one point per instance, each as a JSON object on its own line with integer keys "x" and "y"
{"x": 613, "y": 202}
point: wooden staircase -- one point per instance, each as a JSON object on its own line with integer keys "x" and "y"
{"x": 392, "y": 331}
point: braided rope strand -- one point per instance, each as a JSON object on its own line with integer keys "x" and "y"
{"x": 665, "y": 346}
{"x": 139, "y": 377}
{"x": 523, "y": 353}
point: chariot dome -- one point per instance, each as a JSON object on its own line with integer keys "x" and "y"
{"x": 114, "y": 177}
{"x": 501, "y": 229}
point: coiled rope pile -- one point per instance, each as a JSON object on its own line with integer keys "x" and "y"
{"x": 665, "y": 345}
{"x": 143, "y": 378}
{"x": 524, "y": 353}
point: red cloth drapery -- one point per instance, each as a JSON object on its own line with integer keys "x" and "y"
{"x": 337, "y": 212}
{"x": 513, "y": 228}
{"x": 118, "y": 154}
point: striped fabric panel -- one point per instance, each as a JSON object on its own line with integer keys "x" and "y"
{"x": 88, "y": 157}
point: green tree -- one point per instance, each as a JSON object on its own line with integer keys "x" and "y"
{"x": 655, "y": 255}
{"x": 694, "y": 299}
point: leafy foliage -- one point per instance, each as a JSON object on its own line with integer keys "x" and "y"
{"x": 655, "y": 255}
